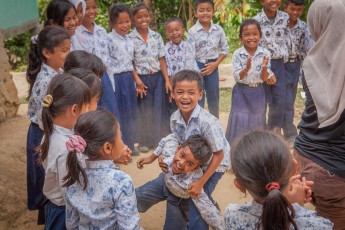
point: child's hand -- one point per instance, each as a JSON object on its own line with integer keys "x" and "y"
{"x": 195, "y": 188}
{"x": 271, "y": 81}
{"x": 298, "y": 190}
{"x": 249, "y": 63}
{"x": 162, "y": 165}
{"x": 265, "y": 62}
{"x": 125, "y": 156}
{"x": 143, "y": 161}
{"x": 141, "y": 89}
{"x": 168, "y": 88}
{"x": 209, "y": 68}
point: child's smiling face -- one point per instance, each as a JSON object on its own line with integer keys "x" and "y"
{"x": 250, "y": 36}
{"x": 184, "y": 161}
{"x": 122, "y": 24}
{"x": 91, "y": 11}
{"x": 204, "y": 12}
{"x": 271, "y": 6}
{"x": 70, "y": 21}
{"x": 294, "y": 11}
{"x": 187, "y": 94}
{"x": 142, "y": 19}
{"x": 174, "y": 31}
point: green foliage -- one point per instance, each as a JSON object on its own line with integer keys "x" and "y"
{"x": 18, "y": 48}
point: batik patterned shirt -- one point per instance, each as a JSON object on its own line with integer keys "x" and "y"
{"x": 95, "y": 42}
{"x": 75, "y": 44}
{"x": 207, "y": 125}
{"x": 300, "y": 41}
{"x": 178, "y": 184}
{"x": 239, "y": 62}
{"x": 238, "y": 217}
{"x": 179, "y": 57}
{"x": 208, "y": 45}
{"x": 274, "y": 34}
{"x": 38, "y": 93}
{"x": 121, "y": 53}
{"x": 147, "y": 54}
{"x": 109, "y": 201}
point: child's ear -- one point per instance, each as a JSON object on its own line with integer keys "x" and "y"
{"x": 201, "y": 93}
{"x": 107, "y": 148}
{"x": 46, "y": 53}
{"x": 75, "y": 110}
{"x": 239, "y": 186}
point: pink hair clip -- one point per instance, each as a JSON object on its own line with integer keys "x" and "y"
{"x": 76, "y": 143}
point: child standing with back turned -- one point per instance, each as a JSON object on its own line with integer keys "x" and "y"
{"x": 251, "y": 68}
{"x": 274, "y": 33}
{"x": 211, "y": 47}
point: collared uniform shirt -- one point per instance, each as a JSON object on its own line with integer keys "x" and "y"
{"x": 75, "y": 44}
{"x": 178, "y": 184}
{"x": 121, "y": 53}
{"x": 239, "y": 62}
{"x": 180, "y": 57}
{"x": 207, "y": 125}
{"x": 95, "y": 42}
{"x": 247, "y": 216}
{"x": 300, "y": 41}
{"x": 55, "y": 165}
{"x": 274, "y": 34}
{"x": 208, "y": 45}
{"x": 147, "y": 54}
{"x": 39, "y": 91}
{"x": 109, "y": 201}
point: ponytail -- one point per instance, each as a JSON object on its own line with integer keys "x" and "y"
{"x": 277, "y": 213}
{"x": 47, "y": 122}
{"x": 35, "y": 62}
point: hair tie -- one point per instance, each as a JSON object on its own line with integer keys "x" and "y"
{"x": 272, "y": 185}
{"x": 34, "y": 39}
{"x": 47, "y": 101}
{"x": 76, "y": 143}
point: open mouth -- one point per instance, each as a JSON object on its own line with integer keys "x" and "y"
{"x": 185, "y": 104}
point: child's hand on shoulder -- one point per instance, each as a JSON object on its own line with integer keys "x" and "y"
{"x": 209, "y": 68}
{"x": 195, "y": 189}
{"x": 272, "y": 80}
{"x": 125, "y": 155}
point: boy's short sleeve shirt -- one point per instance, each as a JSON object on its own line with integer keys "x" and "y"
{"x": 121, "y": 53}
{"x": 179, "y": 57}
{"x": 95, "y": 42}
{"x": 207, "y": 125}
{"x": 274, "y": 34}
{"x": 239, "y": 62}
{"x": 300, "y": 41}
{"x": 208, "y": 45}
{"x": 147, "y": 54}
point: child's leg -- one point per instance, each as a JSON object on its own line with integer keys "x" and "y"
{"x": 196, "y": 222}
{"x": 35, "y": 172}
{"x": 174, "y": 219}
{"x": 211, "y": 88}
{"x": 108, "y": 99}
{"x": 292, "y": 71}
{"x": 277, "y": 104}
{"x": 127, "y": 103}
{"x": 55, "y": 218}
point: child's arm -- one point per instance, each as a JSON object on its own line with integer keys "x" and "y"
{"x": 164, "y": 70}
{"x": 211, "y": 66}
{"x": 141, "y": 88}
{"x": 146, "y": 160}
{"x": 246, "y": 69}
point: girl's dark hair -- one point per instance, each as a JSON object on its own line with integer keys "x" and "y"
{"x": 187, "y": 75}
{"x": 85, "y": 60}
{"x": 49, "y": 38}
{"x": 96, "y": 128}
{"x": 115, "y": 10}
{"x": 200, "y": 148}
{"x": 296, "y": 2}
{"x": 197, "y": 2}
{"x": 260, "y": 158}
{"x": 57, "y": 10}
{"x": 66, "y": 90}
{"x": 90, "y": 79}
{"x": 248, "y": 22}
{"x": 139, "y": 6}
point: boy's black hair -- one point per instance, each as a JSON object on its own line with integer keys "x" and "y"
{"x": 173, "y": 19}
{"x": 187, "y": 75}
{"x": 115, "y": 10}
{"x": 199, "y": 147}
{"x": 197, "y": 2}
{"x": 248, "y": 22}
{"x": 296, "y": 2}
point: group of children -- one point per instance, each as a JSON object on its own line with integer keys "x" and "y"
{"x": 137, "y": 84}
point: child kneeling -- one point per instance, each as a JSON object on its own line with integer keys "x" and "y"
{"x": 183, "y": 168}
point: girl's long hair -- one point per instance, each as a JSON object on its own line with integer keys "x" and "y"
{"x": 96, "y": 128}
{"x": 49, "y": 38}
{"x": 56, "y": 12}
{"x": 65, "y": 90}
{"x": 260, "y": 158}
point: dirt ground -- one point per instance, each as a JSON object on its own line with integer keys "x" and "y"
{"x": 13, "y": 199}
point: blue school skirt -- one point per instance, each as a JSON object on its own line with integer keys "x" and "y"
{"x": 127, "y": 104}
{"x": 247, "y": 111}
{"x": 108, "y": 99}
{"x": 150, "y": 110}
{"x": 56, "y": 216}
